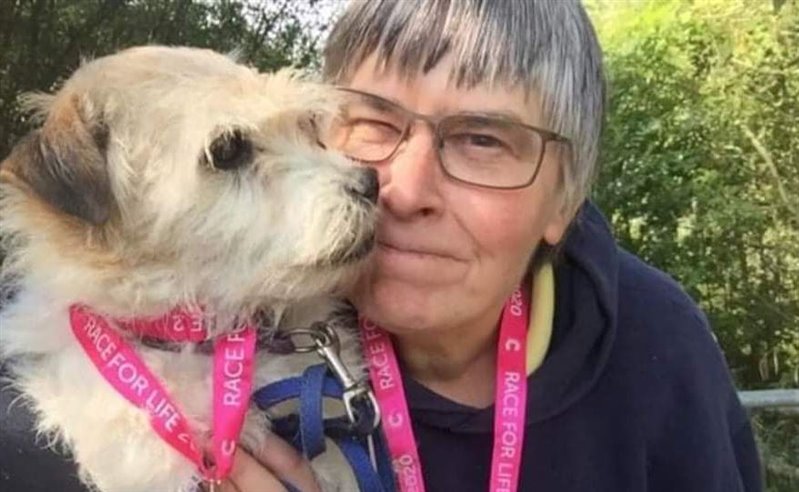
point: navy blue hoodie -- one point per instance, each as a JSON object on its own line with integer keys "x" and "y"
{"x": 633, "y": 395}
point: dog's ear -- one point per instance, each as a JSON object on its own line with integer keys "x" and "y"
{"x": 64, "y": 162}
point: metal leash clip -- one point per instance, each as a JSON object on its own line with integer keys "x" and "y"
{"x": 212, "y": 485}
{"x": 326, "y": 343}
{"x": 354, "y": 390}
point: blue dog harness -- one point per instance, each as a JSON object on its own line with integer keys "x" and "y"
{"x": 357, "y": 434}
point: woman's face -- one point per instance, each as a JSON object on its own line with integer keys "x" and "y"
{"x": 449, "y": 254}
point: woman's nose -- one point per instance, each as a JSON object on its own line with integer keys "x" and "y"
{"x": 410, "y": 182}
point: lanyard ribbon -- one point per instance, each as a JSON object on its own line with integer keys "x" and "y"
{"x": 124, "y": 370}
{"x": 510, "y": 400}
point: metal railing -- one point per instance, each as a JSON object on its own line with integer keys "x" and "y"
{"x": 787, "y": 399}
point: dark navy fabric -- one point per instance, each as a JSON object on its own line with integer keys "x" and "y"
{"x": 26, "y": 464}
{"x": 633, "y": 395}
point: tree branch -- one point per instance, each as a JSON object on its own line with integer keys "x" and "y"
{"x": 772, "y": 167}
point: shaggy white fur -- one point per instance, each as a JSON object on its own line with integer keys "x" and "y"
{"x": 167, "y": 177}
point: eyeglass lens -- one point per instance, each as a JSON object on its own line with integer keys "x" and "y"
{"x": 480, "y": 150}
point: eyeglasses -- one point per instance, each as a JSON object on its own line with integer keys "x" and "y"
{"x": 484, "y": 150}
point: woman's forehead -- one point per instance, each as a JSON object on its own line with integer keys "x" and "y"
{"x": 437, "y": 92}
{"x": 449, "y": 65}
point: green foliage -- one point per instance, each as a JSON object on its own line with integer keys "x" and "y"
{"x": 701, "y": 176}
{"x": 701, "y": 163}
{"x": 42, "y": 41}
{"x": 778, "y": 440}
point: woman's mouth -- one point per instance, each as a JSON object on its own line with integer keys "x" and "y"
{"x": 422, "y": 253}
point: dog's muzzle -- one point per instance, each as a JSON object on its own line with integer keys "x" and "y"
{"x": 367, "y": 187}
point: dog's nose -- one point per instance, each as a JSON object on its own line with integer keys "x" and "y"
{"x": 368, "y": 185}
{"x": 371, "y": 185}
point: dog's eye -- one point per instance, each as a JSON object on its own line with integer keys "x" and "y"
{"x": 230, "y": 151}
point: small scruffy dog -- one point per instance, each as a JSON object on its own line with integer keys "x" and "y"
{"x": 160, "y": 178}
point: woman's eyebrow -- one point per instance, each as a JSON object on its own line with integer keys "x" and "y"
{"x": 380, "y": 102}
{"x": 503, "y": 115}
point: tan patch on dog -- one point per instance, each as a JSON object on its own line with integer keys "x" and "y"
{"x": 63, "y": 164}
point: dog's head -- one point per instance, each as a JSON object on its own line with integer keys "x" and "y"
{"x": 176, "y": 174}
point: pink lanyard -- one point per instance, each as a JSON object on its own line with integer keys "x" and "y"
{"x": 510, "y": 400}
{"x": 126, "y": 372}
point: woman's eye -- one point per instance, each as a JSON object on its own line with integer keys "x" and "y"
{"x": 479, "y": 140}
{"x": 373, "y": 130}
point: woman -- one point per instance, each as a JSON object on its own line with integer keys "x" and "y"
{"x": 483, "y": 121}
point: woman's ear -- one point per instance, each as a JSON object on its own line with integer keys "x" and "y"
{"x": 557, "y": 225}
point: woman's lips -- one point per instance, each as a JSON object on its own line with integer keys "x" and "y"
{"x": 416, "y": 251}
{"x": 417, "y": 265}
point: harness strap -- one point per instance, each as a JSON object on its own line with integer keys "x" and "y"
{"x": 286, "y": 389}
{"x": 289, "y": 487}
{"x": 361, "y": 465}
{"x": 312, "y": 432}
{"x": 307, "y": 431}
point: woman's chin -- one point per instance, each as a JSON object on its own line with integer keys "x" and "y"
{"x": 397, "y": 308}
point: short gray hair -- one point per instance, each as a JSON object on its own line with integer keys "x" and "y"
{"x": 545, "y": 46}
